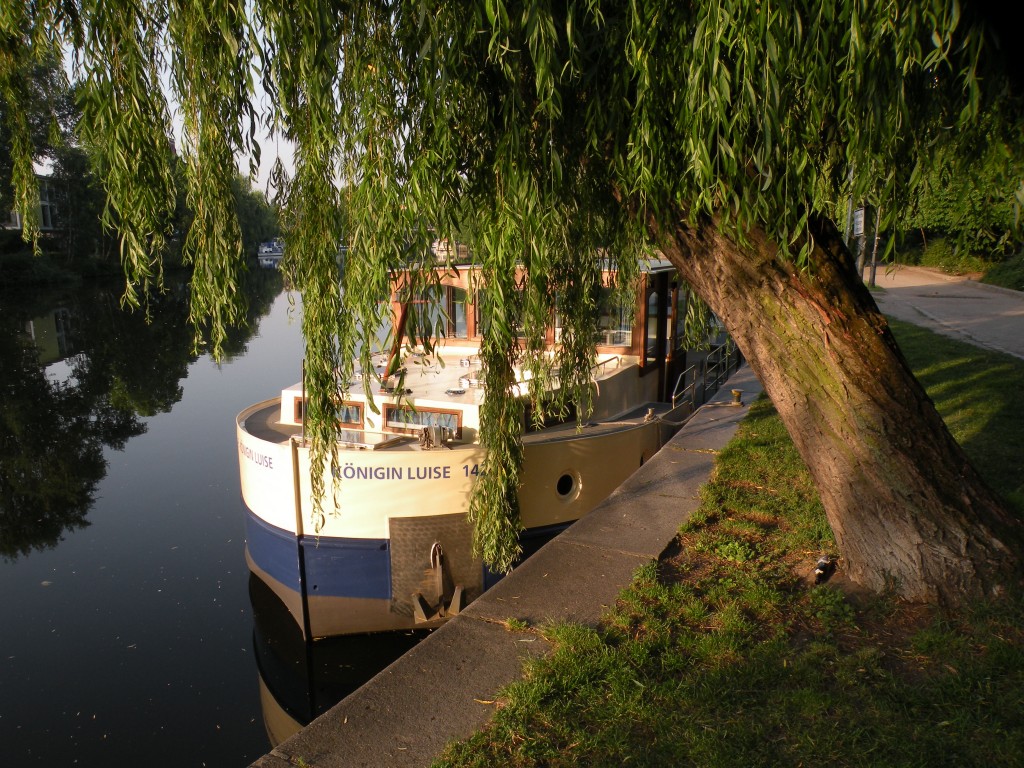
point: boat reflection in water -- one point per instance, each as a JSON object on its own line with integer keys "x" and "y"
{"x": 301, "y": 679}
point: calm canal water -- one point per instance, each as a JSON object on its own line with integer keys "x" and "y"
{"x": 131, "y": 633}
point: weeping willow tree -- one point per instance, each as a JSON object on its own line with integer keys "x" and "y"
{"x": 541, "y": 134}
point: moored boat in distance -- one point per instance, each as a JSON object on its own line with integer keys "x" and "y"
{"x": 270, "y": 253}
{"x": 397, "y": 554}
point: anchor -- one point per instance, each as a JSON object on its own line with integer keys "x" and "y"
{"x": 445, "y": 608}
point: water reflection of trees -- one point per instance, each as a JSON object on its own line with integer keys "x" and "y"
{"x": 119, "y": 367}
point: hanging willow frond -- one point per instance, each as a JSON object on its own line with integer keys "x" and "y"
{"x": 126, "y": 123}
{"x": 212, "y": 81}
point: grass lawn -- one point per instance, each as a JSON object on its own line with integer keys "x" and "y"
{"x": 726, "y": 653}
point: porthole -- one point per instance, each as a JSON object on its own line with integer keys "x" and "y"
{"x": 568, "y": 486}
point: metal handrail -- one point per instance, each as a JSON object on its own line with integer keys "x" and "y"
{"x": 720, "y": 361}
{"x": 613, "y": 358}
{"x": 710, "y": 373}
{"x": 676, "y": 391}
{"x": 557, "y": 376}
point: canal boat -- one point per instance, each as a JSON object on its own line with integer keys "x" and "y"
{"x": 270, "y": 253}
{"x": 396, "y": 552}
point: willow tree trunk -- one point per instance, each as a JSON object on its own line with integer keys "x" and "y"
{"x": 908, "y": 510}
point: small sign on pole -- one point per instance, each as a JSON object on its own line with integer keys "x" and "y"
{"x": 858, "y": 223}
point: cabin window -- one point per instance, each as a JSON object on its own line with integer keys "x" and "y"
{"x": 350, "y": 414}
{"x": 652, "y": 343}
{"x": 426, "y": 315}
{"x": 682, "y": 302}
{"x": 513, "y": 315}
{"x": 403, "y": 418}
{"x": 615, "y": 320}
{"x": 458, "y": 327}
{"x": 656, "y": 321}
{"x": 440, "y": 311}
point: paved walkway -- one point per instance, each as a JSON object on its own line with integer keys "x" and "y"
{"x": 984, "y": 315}
{"x": 445, "y": 688}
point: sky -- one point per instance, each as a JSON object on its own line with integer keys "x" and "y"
{"x": 270, "y": 148}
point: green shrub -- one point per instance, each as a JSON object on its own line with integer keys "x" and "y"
{"x": 940, "y": 253}
{"x": 1008, "y": 273}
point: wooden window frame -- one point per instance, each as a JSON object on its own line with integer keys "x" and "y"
{"x": 300, "y": 412}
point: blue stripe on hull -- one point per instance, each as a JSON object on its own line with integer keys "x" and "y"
{"x": 272, "y": 549}
{"x": 348, "y": 567}
{"x": 348, "y": 580}
{"x": 335, "y": 567}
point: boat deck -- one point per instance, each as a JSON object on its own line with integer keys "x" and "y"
{"x": 456, "y": 381}
{"x": 265, "y": 424}
{"x": 456, "y": 376}
{"x": 569, "y": 429}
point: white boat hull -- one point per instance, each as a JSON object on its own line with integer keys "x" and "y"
{"x": 372, "y": 551}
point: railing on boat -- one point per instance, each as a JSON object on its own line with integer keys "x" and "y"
{"x": 711, "y": 373}
{"x": 602, "y": 366}
{"x": 721, "y": 361}
{"x": 598, "y": 368}
{"x": 680, "y": 390}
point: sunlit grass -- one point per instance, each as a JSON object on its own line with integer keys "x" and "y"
{"x": 979, "y": 394}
